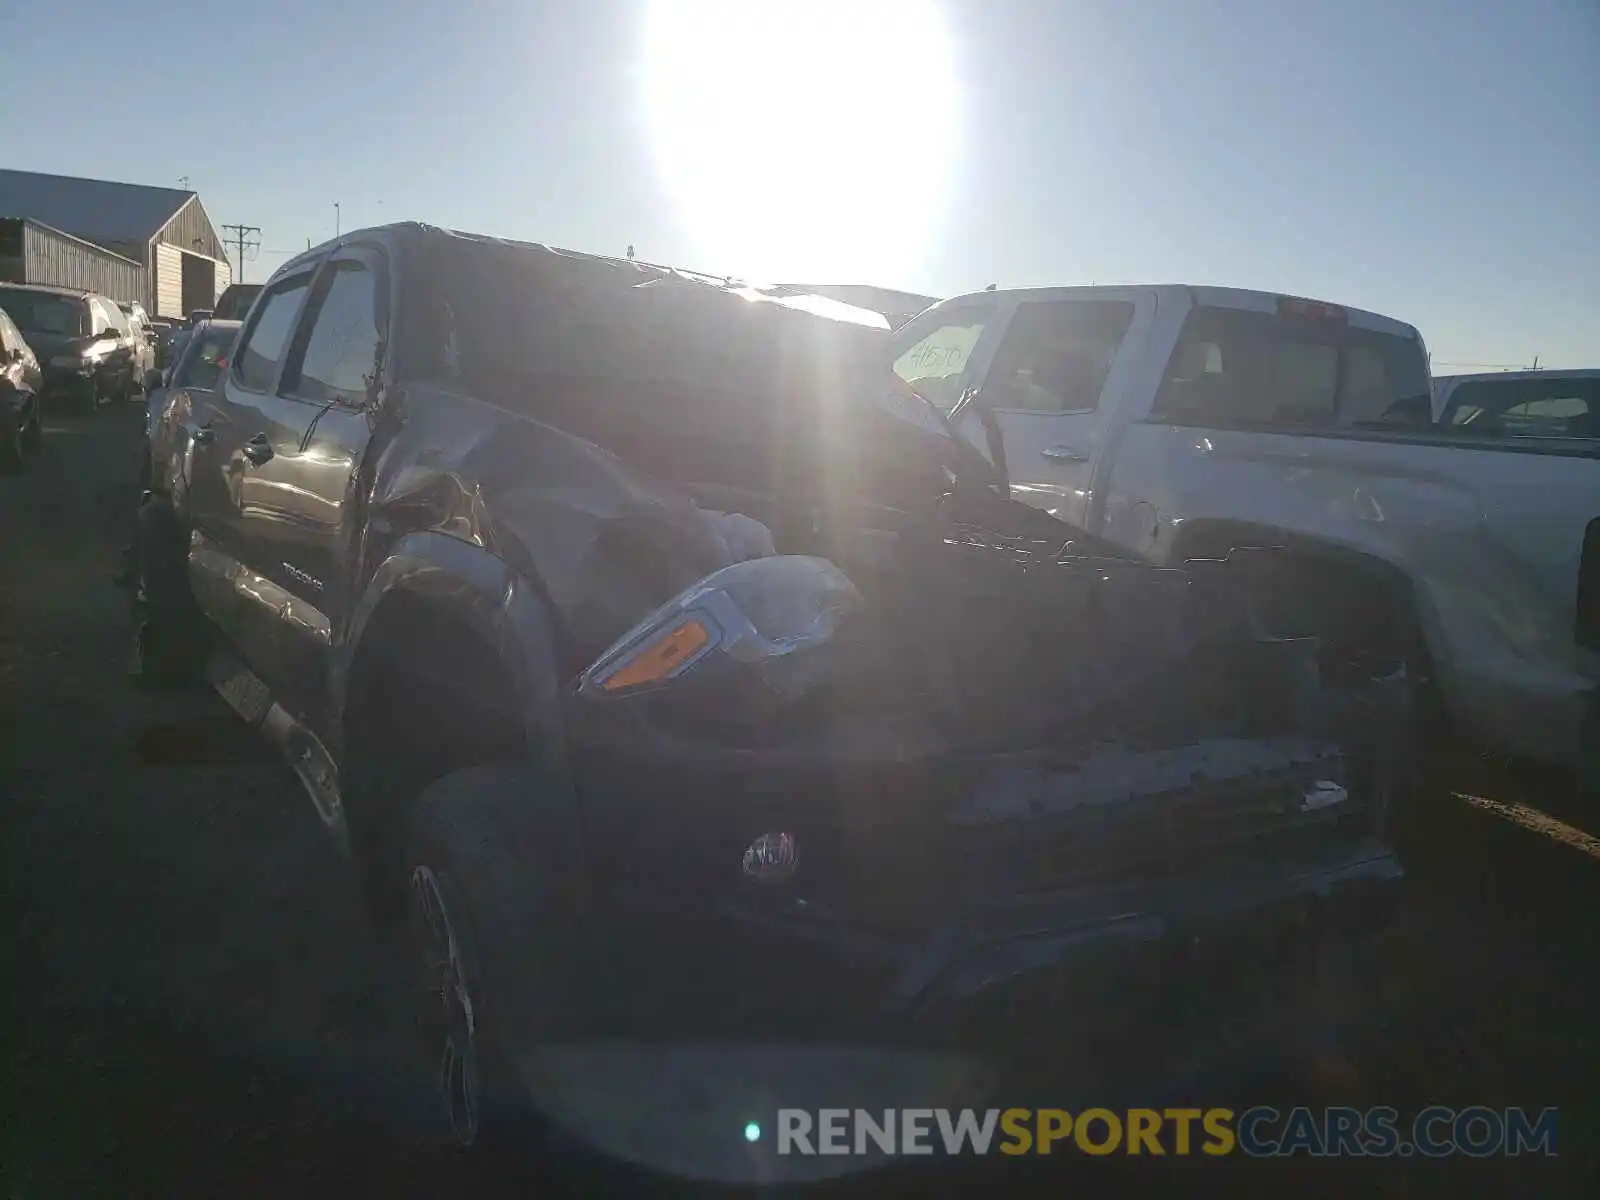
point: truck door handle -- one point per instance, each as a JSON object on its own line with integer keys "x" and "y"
{"x": 257, "y": 450}
{"x": 203, "y": 435}
{"x": 1064, "y": 454}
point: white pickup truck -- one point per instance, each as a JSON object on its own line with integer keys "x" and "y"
{"x": 1181, "y": 422}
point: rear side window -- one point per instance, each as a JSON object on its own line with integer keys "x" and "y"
{"x": 256, "y": 364}
{"x": 1551, "y": 407}
{"x": 1254, "y": 369}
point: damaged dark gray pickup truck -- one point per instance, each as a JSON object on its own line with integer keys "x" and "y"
{"x": 725, "y": 725}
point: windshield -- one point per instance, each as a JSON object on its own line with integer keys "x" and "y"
{"x": 40, "y": 312}
{"x": 203, "y": 364}
{"x": 237, "y": 299}
{"x": 1237, "y": 367}
{"x": 932, "y": 353}
{"x": 1546, "y": 407}
{"x": 511, "y": 312}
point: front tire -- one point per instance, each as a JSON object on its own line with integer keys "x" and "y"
{"x": 495, "y": 953}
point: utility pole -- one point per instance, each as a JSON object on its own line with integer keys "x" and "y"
{"x": 240, "y": 233}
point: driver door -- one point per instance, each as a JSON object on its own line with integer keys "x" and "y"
{"x": 1052, "y": 384}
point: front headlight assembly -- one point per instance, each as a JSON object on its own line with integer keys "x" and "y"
{"x": 749, "y": 634}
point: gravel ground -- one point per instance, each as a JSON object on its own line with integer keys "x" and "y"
{"x": 192, "y": 1008}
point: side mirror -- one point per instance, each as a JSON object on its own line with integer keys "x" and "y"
{"x": 152, "y": 380}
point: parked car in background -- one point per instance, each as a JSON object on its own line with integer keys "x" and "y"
{"x": 81, "y": 338}
{"x": 199, "y": 314}
{"x": 703, "y": 698}
{"x": 1183, "y": 422}
{"x": 174, "y": 345}
{"x": 142, "y": 337}
{"x": 1520, "y": 404}
{"x": 161, "y": 332}
{"x": 236, "y": 300}
{"x": 21, "y": 381}
{"x": 173, "y": 394}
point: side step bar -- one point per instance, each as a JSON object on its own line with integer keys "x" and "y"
{"x": 244, "y": 692}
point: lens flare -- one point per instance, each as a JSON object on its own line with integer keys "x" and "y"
{"x": 804, "y": 140}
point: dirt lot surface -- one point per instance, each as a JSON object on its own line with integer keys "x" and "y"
{"x": 192, "y": 1007}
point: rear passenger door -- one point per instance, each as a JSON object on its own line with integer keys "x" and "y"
{"x": 222, "y": 432}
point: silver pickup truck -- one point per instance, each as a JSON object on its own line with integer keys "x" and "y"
{"x": 1184, "y": 421}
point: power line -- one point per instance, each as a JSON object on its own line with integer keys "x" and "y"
{"x": 241, "y": 232}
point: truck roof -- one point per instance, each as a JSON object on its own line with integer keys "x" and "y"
{"x": 49, "y": 289}
{"x": 1443, "y": 381}
{"x": 600, "y": 270}
{"x": 1207, "y": 296}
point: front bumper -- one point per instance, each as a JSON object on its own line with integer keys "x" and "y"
{"x": 964, "y": 903}
{"x": 1092, "y": 1008}
{"x": 1105, "y": 960}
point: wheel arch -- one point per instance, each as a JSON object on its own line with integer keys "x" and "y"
{"x": 449, "y": 661}
{"x": 1214, "y": 539}
{"x": 1208, "y": 538}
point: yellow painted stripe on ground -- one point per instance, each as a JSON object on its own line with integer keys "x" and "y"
{"x": 1538, "y": 822}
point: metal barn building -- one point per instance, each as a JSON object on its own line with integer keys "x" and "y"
{"x": 165, "y": 231}
{"x": 33, "y": 252}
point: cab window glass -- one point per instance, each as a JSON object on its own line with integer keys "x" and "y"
{"x": 1553, "y": 407}
{"x": 1057, "y": 355}
{"x": 935, "y": 363}
{"x": 256, "y": 364}
{"x": 1239, "y": 367}
{"x": 339, "y": 363}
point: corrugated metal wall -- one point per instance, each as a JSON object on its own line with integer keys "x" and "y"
{"x": 167, "y": 287}
{"x": 52, "y": 257}
{"x": 190, "y": 230}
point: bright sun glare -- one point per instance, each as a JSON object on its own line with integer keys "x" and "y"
{"x": 804, "y": 140}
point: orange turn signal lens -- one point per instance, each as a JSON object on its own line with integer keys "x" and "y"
{"x": 657, "y": 660}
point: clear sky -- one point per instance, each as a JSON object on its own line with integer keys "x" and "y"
{"x": 1436, "y": 160}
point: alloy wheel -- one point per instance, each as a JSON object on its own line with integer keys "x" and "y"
{"x": 449, "y": 1019}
